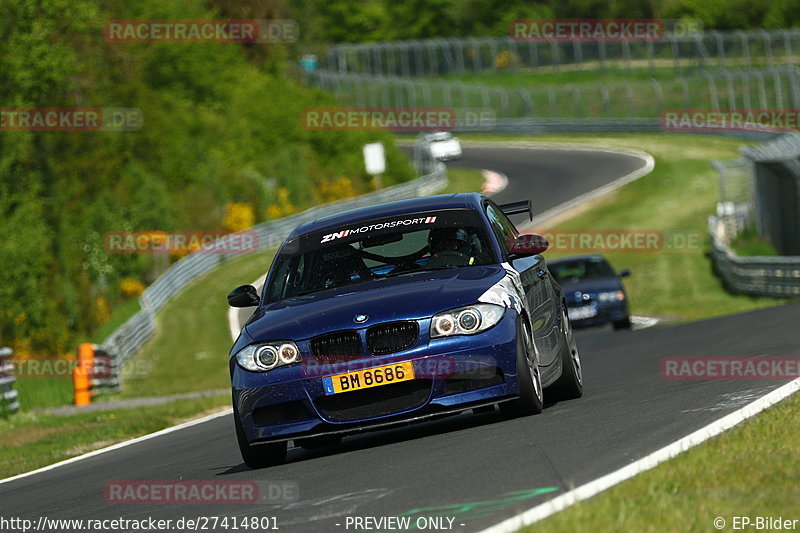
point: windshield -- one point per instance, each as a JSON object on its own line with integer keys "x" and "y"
{"x": 378, "y": 249}
{"x": 579, "y": 270}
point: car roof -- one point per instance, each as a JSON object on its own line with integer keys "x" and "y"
{"x": 572, "y": 258}
{"x": 398, "y": 207}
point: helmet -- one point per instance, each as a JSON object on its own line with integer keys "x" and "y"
{"x": 448, "y": 238}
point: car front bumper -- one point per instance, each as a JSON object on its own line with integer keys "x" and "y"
{"x": 451, "y": 374}
{"x": 607, "y": 312}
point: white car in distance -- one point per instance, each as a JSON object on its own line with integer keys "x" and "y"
{"x": 443, "y": 146}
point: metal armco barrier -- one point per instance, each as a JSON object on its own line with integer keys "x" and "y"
{"x": 757, "y": 276}
{"x": 8, "y": 396}
{"x": 128, "y": 339}
{"x": 95, "y": 372}
{"x": 760, "y": 191}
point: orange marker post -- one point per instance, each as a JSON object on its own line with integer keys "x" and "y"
{"x": 80, "y": 375}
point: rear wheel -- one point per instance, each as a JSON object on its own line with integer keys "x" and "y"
{"x": 529, "y": 381}
{"x": 261, "y": 455}
{"x": 570, "y": 384}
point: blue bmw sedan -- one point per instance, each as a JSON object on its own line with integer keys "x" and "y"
{"x": 397, "y": 313}
{"x": 593, "y": 290}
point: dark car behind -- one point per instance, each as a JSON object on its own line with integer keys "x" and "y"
{"x": 593, "y": 289}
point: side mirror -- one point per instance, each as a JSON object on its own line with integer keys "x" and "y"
{"x": 529, "y": 244}
{"x": 624, "y": 273}
{"x": 244, "y": 296}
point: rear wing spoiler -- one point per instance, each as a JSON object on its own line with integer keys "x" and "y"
{"x": 516, "y": 208}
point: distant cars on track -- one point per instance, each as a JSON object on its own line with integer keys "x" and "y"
{"x": 593, "y": 290}
{"x": 443, "y": 146}
{"x": 397, "y": 313}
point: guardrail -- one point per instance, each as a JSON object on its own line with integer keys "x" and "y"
{"x": 435, "y": 57}
{"x": 8, "y": 396}
{"x": 746, "y": 202}
{"x": 128, "y": 339}
{"x": 756, "y": 276}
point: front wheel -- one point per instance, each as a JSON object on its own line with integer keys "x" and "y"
{"x": 529, "y": 381}
{"x": 261, "y": 455}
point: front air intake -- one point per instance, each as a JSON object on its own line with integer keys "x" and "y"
{"x": 392, "y": 337}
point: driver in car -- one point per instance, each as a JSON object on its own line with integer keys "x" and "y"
{"x": 449, "y": 247}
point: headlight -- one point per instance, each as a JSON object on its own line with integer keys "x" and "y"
{"x": 266, "y": 356}
{"x": 466, "y": 320}
{"x": 611, "y": 296}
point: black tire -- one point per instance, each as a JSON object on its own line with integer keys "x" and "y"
{"x": 314, "y": 443}
{"x": 260, "y": 455}
{"x": 570, "y": 385}
{"x": 625, "y": 323}
{"x": 529, "y": 381}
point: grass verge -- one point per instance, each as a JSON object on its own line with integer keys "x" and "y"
{"x": 463, "y": 180}
{"x": 29, "y": 441}
{"x": 750, "y": 243}
{"x": 189, "y": 350}
{"x": 714, "y": 479}
{"x": 676, "y": 199}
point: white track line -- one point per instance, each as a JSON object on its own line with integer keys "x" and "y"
{"x": 643, "y": 322}
{"x": 121, "y": 445}
{"x": 592, "y": 488}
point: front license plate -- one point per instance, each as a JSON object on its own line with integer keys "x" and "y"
{"x": 580, "y": 313}
{"x": 371, "y": 377}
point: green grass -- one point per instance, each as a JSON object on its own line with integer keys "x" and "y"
{"x": 119, "y": 314}
{"x": 463, "y": 180}
{"x": 44, "y": 392}
{"x": 678, "y": 196}
{"x": 29, "y": 441}
{"x": 750, "y": 470}
{"x": 189, "y": 350}
{"x": 522, "y": 77}
{"x": 750, "y": 243}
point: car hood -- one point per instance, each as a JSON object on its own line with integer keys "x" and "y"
{"x": 591, "y": 286}
{"x": 411, "y": 296}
